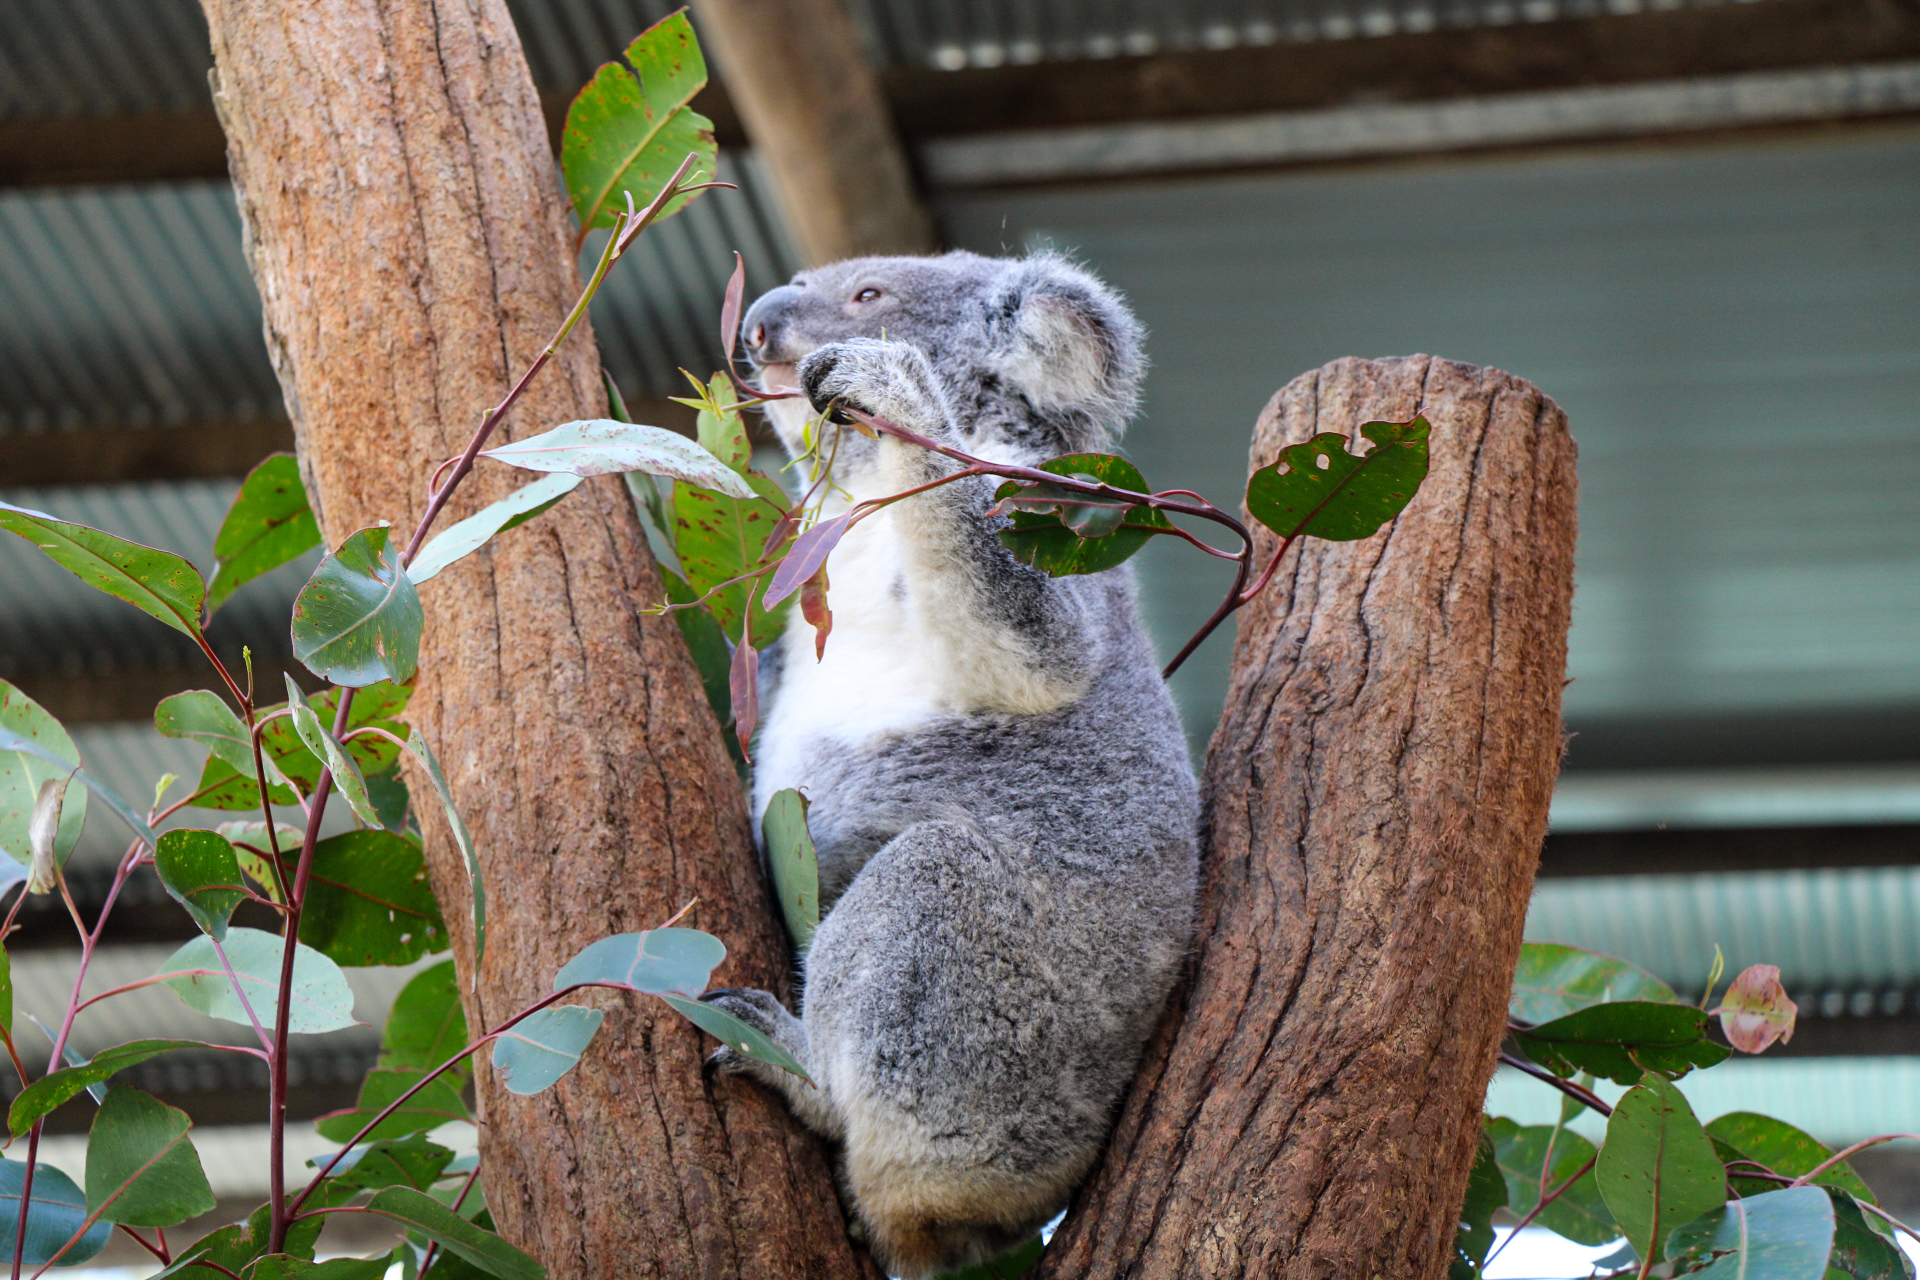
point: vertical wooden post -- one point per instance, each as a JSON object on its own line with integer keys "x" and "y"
{"x": 817, "y": 117}
{"x": 1376, "y": 797}
{"x": 406, "y": 231}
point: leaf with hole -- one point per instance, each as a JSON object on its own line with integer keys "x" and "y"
{"x": 358, "y": 619}
{"x": 54, "y": 1088}
{"x": 460, "y": 540}
{"x": 1552, "y": 981}
{"x": 369, "y": 903}
{"x": 1061, "y": 533}
{"x": 536, "y": 1051}
{"x": 1782, "y": 1235}
{"x": 627, "y": 135}
{"x": 1578, "y": 1213}
{"x": 654, "y": 961}
{"x": 142, "y": 1170}
{"x": 321, "y": 999}
{"x": 268, "y": 524}
{"x": 157, "y": 582}
{"x": 28, "y": 736}
{"x": 55, "y": 1211}
{"x": 1321, "y": 490}
{"x": 200, "y": 870}
{"x": 602, "y": 446}
{"x": 794, "y": 864}
{"x": 477, "y": 1245}
{"x": 1657, "y": 1168}
{"x": 1623, "y": 1039}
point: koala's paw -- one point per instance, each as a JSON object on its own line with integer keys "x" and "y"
{"x": 759, "y": 1010}
{"x": 890, "y": 380}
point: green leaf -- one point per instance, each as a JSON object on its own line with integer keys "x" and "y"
{"x": 628, "y": 137}
{"x": 234, "y": 1247}
{"x": 732, "y": 1032}
{"x": 424, "y": 754}
{"x": 321, "y": 1000}
{"x": 720, "y": 538}
{"x": 1011, "y": 1265}
{"x": 394, "y": 1162}
{"x": 437, "y": 1104}
{"x": 540, "y": 1048}
{"x": 1578, "y": 1213}
{"x": 1658, "y": 1168}
{"x": 437, "y": 1222}
{"x": 1859, "y": 1252}
{"x": 358, "y": 619}
{"x": 1622, "y": 1040}
{"x": 253, "y": 850}
{"x": 1320, "y": 490}
{"x": 54, "y": 1088}
{"x": 391, "y": 799}
{"x": 221, "y": 787}
{"x": 22, "y": 772}
{"x": 157, "y": 582}
{"x": 1047, "y": 538}
{"x": 347, "y": 778}
{"x": 268, "y": 524}
{"x": 426, "y": 1025}
{"x": 463, "y": 539}
{"x": 55, "y": 1210}
{"x": 1552, "y": 981}
{"x": 795, "y": 865}
{"x": 1784, "y": 1149}
{"x": 1782, "y": 1235}
{"x": 142, "y": 1170}
{"x": 654, "y": 961}
{"x": 368, "y": 901}
{"x": 202, "y": 716}
{"x": 280, "y": 1266}
{"x": 602, "y": 446}
{"x": 378, "y": 706}
{"x": 1486, "y": 1193}
{"x": 724, "y": 434}
{"x": 201, "y": 872}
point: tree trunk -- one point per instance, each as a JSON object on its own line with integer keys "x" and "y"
{"x": 405, "y": 228}
{"x": 1376, "y": 798}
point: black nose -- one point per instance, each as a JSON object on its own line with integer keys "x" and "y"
{"x": 763, "y": 329}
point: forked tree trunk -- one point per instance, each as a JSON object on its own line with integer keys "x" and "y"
{"x": 1376, "y": 797}
{"x": 405, "y": 228}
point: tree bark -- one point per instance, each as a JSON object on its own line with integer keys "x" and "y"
{"x": 405, "y": 228}
{"x": 1376, "y": 798}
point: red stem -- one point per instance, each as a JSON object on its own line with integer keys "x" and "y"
{"x": 1568, "y": 1087}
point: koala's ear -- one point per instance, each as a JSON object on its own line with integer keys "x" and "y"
{"x": 1069, "y": 343}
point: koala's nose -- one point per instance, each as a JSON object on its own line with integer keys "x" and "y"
{"x": 763, "y": 329}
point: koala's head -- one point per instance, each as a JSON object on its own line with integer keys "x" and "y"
{"x": 1036, "y": 356}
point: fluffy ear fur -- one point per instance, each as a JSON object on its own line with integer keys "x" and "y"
{"x": 1071, "y": 348}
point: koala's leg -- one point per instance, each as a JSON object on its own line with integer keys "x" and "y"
{"x": 761, "y": 1011}
{"x": 1013, "y": 639}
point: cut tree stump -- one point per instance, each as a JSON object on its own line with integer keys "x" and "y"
{"x": 1376, "y": 797}
{"x": 406, "y": 230}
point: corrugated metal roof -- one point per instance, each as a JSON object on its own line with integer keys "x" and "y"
{"x": 1646, "y": 800}
{"x": 127, "y": 306}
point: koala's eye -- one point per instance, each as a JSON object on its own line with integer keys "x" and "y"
{"x": 867, "y": 294}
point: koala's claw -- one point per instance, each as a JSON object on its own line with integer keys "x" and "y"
{"x": 826, "y": 393}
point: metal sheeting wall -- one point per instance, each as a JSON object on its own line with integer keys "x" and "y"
{"x": 1731, "y": 329}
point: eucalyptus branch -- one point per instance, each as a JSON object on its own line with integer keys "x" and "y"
{"x": 1844, "y": 1152}
{"x": 1584, "y": 1096}
{"x": 1545, "y": 1200}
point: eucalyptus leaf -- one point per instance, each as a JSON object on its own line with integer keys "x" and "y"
{"x": 602, "y": 446}
{"x": 462, "y": 837}
{"x": 54, "y": 1088}
{"x": 1657, "y": 1168}
{"x": 1486, "y": 1194}
{"x": 235, "y": 1247}
{"x": 202, "y": 716}
{"x": 268, "y": 524}
{"x": 369, "y": 903}
{"x": 157, "y": 582}
{"x": 732, "y": 1032}
{"x": 321, "y": 999}
{"x": 347, "y": 778}
{"x": 794, "y": 864}
{"x": 1552, "y": 981}
{"x": 627, "y": 136}
{"x": 1011, "y": 1265}
{"x": 1578, "y": 1213}
{"x": 460, "y": 540}
{"x": 1043, "y": 538}
{"x": 34, "y": 749}
{"x": 413, "y": 1161}
{"x": 434, "y": 1220}
{"x": 56, "y": 1209}
{"x": 1321, "y": 490}
{"x": 426, "y": 1025}
{"x": 536, "y": 1051}
{"x": 1784, "y": 1149}
{"x": 142, "y": 1170}
{"x": 437, "y": 1103}
{"x": 719, "y": 539}
{"x": 654, "y": 961}
{"x": 358, "y": 619}
{"x": 1623, "y": 1039}
{"x": 1860, "y": 1252}
{"x": 280, "y": 1266}
{"x": 1782, "y": 1235}
{"x": 201, "y": 871}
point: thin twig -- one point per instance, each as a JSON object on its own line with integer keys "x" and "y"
{"x": 1842, "y": 1154}
{"x": 1568, "y": 1087}
{"x": 1545, "y": 1200}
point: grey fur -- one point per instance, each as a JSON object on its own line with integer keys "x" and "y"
{"x": 1008, "y": 871}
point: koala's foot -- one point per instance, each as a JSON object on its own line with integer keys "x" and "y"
{"x": 891, "y": 380}
{"x": 765, "y": 1014}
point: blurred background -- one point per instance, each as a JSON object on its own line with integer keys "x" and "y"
{"x": 1695, "y": 225}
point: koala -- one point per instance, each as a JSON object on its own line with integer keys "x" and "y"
{"x": 1002, "y": 804}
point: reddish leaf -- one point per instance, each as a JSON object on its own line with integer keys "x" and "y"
{"x": 808, "y": 557}
{"x": 813, "y": 607}
{"x": 1756, "y": 1011}
{"x": 730, "y": 309}
{"x": 743, "y": 679}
